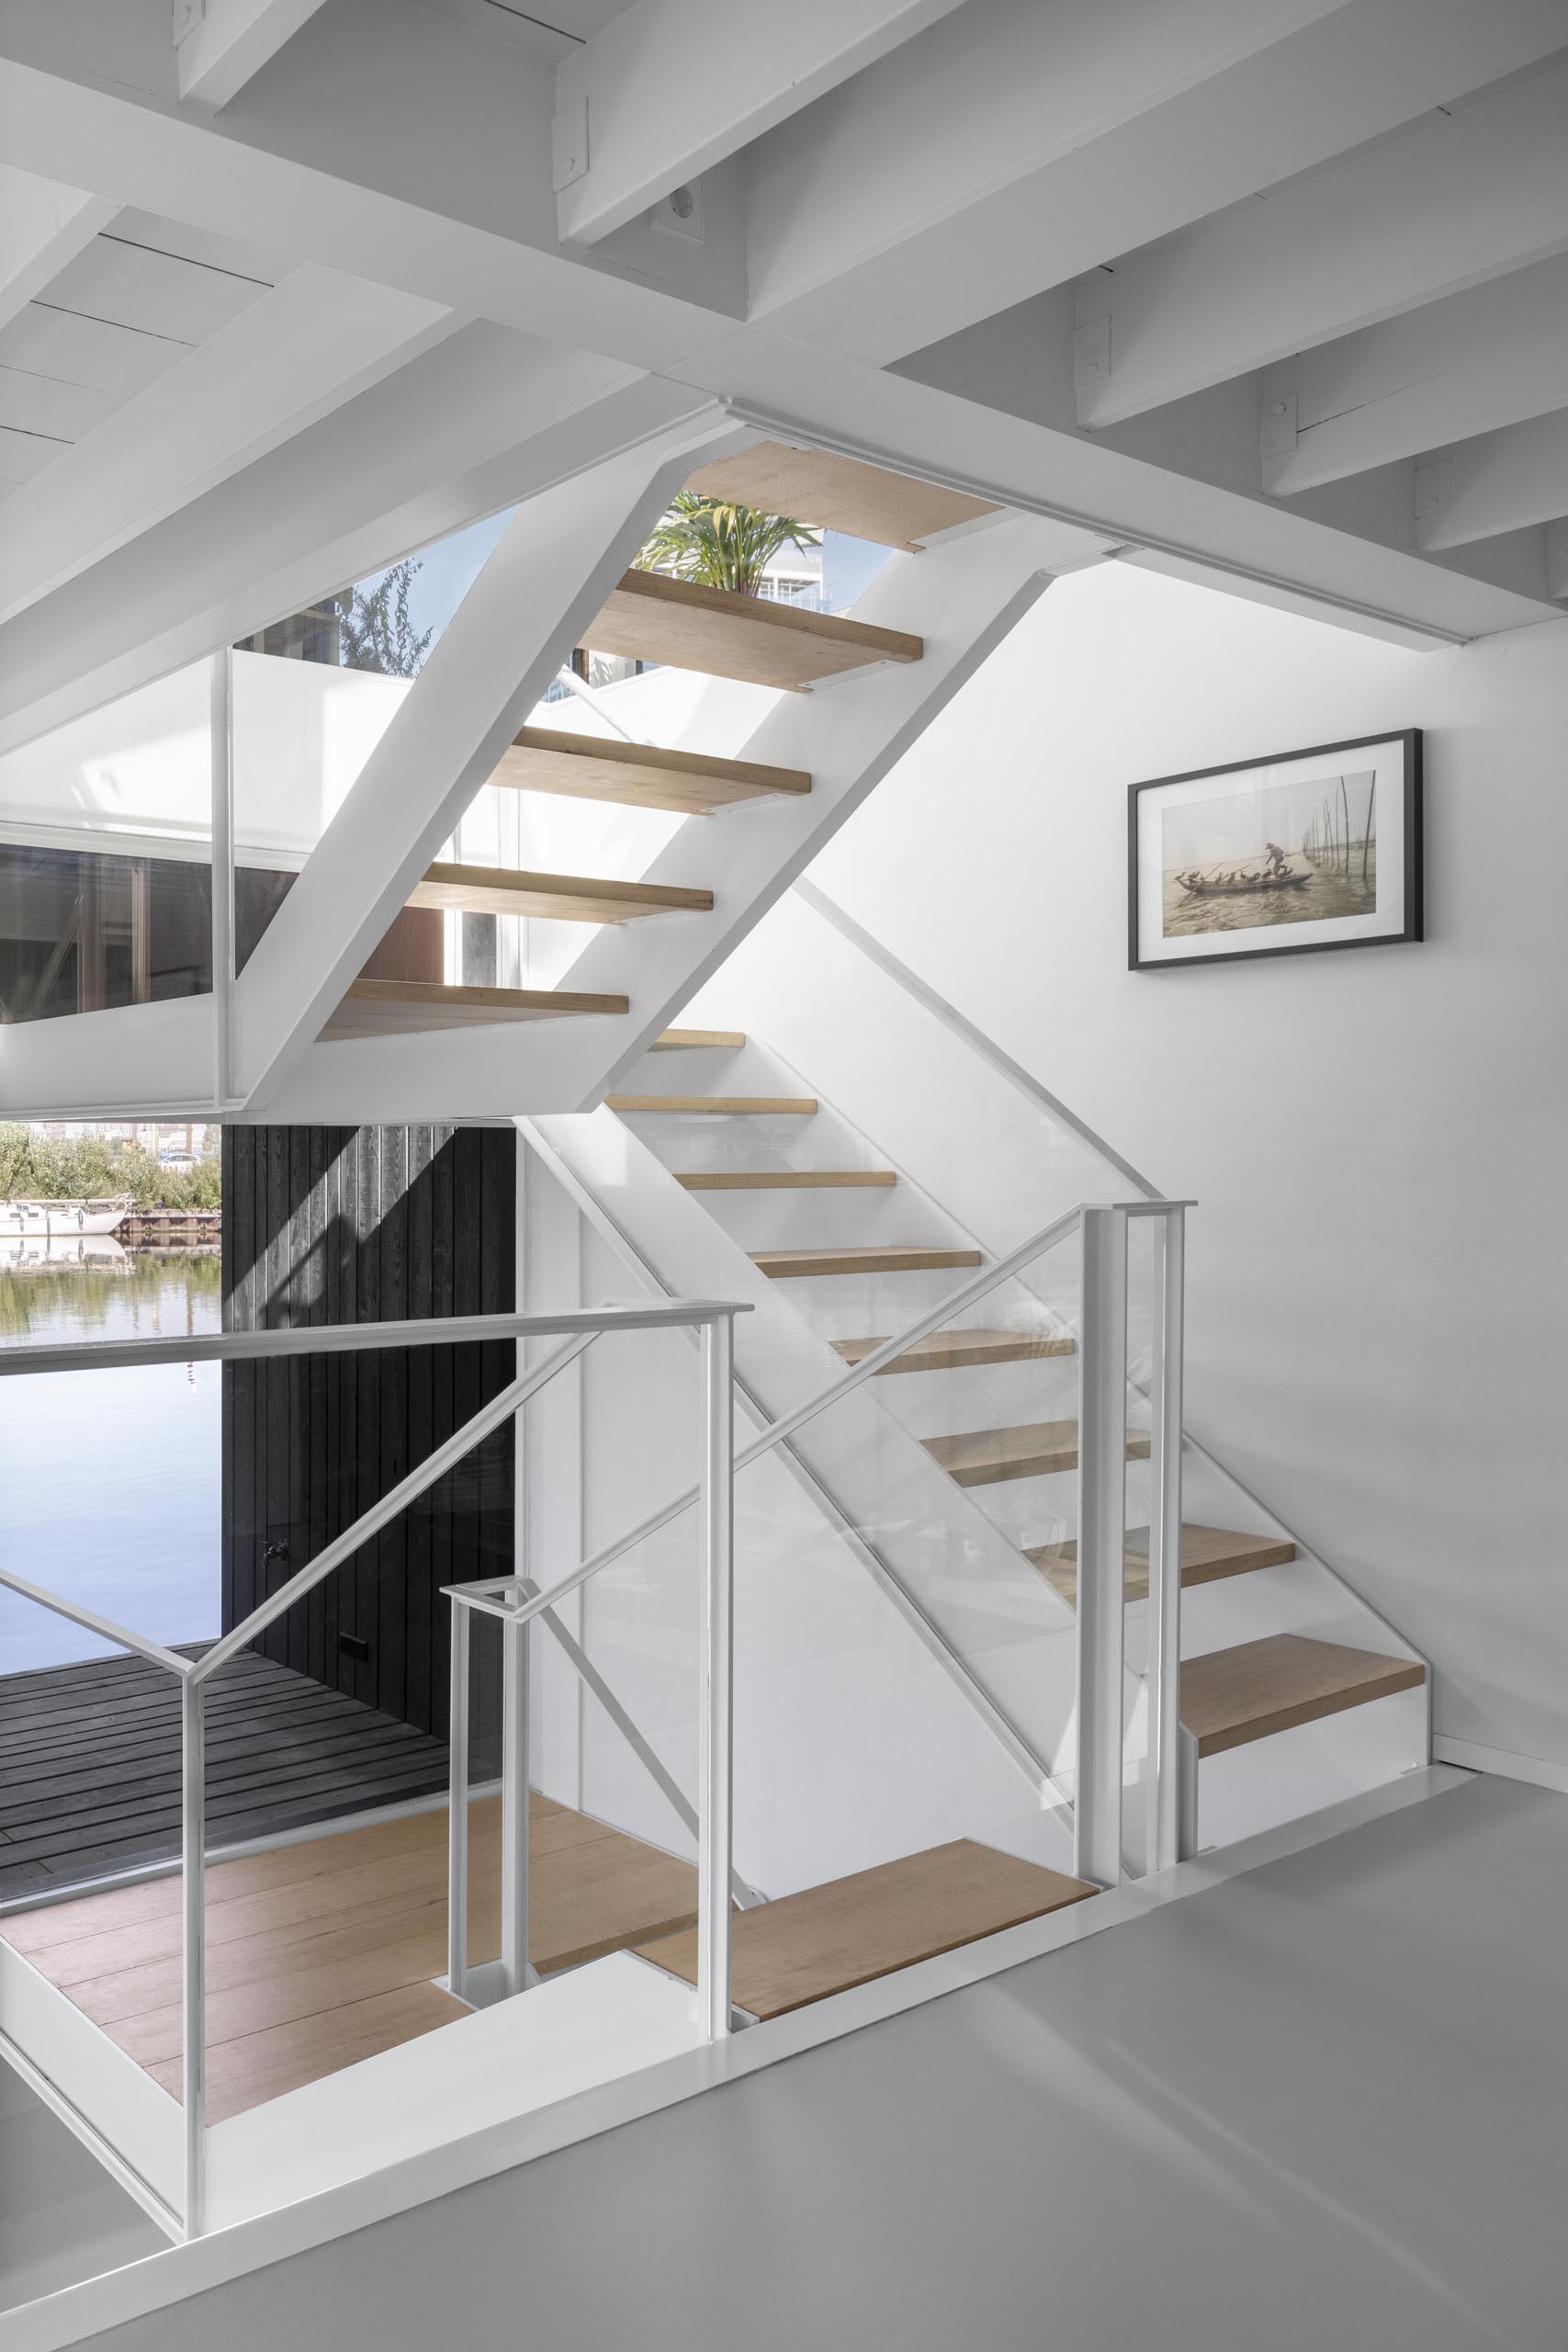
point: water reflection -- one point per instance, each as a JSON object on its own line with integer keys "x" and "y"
{"x": 109, "y": 1481}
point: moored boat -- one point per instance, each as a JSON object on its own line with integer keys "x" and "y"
{"x": 42, "y": 1220}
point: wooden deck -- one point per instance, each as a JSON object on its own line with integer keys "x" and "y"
{"x": 90, "y": 1765}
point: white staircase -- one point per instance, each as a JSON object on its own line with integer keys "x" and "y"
{"x": 739, "y": 1176}
{"x": 636, "y": 868}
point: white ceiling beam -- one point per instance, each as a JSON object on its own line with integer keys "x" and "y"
{"x": 224, "y": 42}
{"x": 663, "y": 92}
{"x": 546, "y": 577}
{"x": 1168, "y": 520}
{"x": 1500, "y": 481}
{"x": 483, "y": 420}
{"x": 43, "y": 224}
{"x": 1014, "y": 147}
{"x": 1482, "y": 359}
{"x": 300, "y": 351}
{"x": 1557, "y": 560}
{"x": 338, "y": 150}
{"x": 1454, "y": 201}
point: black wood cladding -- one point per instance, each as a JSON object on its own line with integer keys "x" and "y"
{"x": 364, "y": 1224}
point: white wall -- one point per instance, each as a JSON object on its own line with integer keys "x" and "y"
{"x": 1376, "y": 1138}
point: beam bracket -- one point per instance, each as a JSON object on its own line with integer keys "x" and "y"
{"x": 570, "y": 158}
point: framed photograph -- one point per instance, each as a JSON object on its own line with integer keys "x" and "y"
{"x": 1271, "y": 857}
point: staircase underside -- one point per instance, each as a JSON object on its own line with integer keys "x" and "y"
{"x": 844, "y": 494}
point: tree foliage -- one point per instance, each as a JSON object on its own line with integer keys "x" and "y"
{"x": 374, "y": 629}
{"x": 720, "y": 545}
{"x": 89, "y": 1168}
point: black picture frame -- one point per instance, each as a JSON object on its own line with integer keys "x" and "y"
{"x": 1412, "y": 863}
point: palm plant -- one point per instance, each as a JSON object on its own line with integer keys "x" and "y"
{"x": 719, "y": 546}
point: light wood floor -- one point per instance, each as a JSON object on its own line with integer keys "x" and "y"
{"x": 321, "y": 1953}
{"x": 829, "y": 1938}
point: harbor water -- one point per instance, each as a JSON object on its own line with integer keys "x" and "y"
{"x": 109, "y": 1481}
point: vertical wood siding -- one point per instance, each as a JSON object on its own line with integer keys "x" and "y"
{"x": 344, "y": 1224}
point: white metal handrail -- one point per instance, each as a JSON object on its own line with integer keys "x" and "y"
{"x": 499, "y": 1592}
{"x": 1098, "y": 1806}
{"x": 713, "y": 1319}
{"x": 957, "y": 1302}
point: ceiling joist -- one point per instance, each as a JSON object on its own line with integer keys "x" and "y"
{"x": 1453, "y": 201}
{"x": 654, "y": 99}
{"x": 222, "y": 43}
{"x": 1499, "y": 482}
{"x": 289, "y": 357}
{"x": 43, "y": 225}
{"x": 1482, "y": 359}
{"x": 1014, "y": 147}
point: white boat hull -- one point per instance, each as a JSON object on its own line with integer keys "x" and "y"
{"x": 59, "y": 1220}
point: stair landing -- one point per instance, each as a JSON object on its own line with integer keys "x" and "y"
{"x": 321, "y": 1953}
{"x": 828, "y": 1938}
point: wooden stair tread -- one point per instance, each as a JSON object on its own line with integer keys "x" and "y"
{"x": 559, "y": 898}
{"x": 781, "y": 1265}
{"x": 1207, "y": 1553}
{"x": 405, "y": 1008}
{"x": 805, "y": 1947}
{"x": 319, "y": 1953}
{"x": 725, "y": 1106}
{"x": 1229, "y": 1697}
{"x": 643, "y": 776}
{"x": 817, "y": 487}
{"x": 652, "y": 617}
{"x": 952, "y": 1351}
{"x": 1028, "y": 1450}
{"x": 672, "y": 1041}
{"x": 784, "y": 1180}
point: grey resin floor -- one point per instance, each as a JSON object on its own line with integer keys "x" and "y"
{"x": 1323, "y": 2105}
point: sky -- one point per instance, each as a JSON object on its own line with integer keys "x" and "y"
{"x": 1242, "y": 824}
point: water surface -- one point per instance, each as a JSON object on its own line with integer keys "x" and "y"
{"x": 109, "y": 1481}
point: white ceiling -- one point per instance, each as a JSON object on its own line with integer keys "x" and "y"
{"x": 140, "y": 296}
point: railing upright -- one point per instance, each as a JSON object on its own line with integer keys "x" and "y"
{"x": 1102, "y": 1542}
{"x": 717, "y": 1755}
{"x": 192, "y": 1948}
{"x": 515, "y": 1645}
{"x": 457, "y": 1837}
{"x": 1165, "y": 1840}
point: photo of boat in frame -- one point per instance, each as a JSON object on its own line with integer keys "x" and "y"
{"x": 1312, "y": 849}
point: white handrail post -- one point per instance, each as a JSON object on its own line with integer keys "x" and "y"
{"x": 1164, "y": 1761}
{"x": 193, "y": 1957}
{"x": 716, "y": 1763}
{"x": 515, "y": 1653}
{"x": 1102, "y": 1541}
{"x": 457, "y": 1816}
{"x": 222, "y": 749}
{"x": 1187, "y": 1831}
